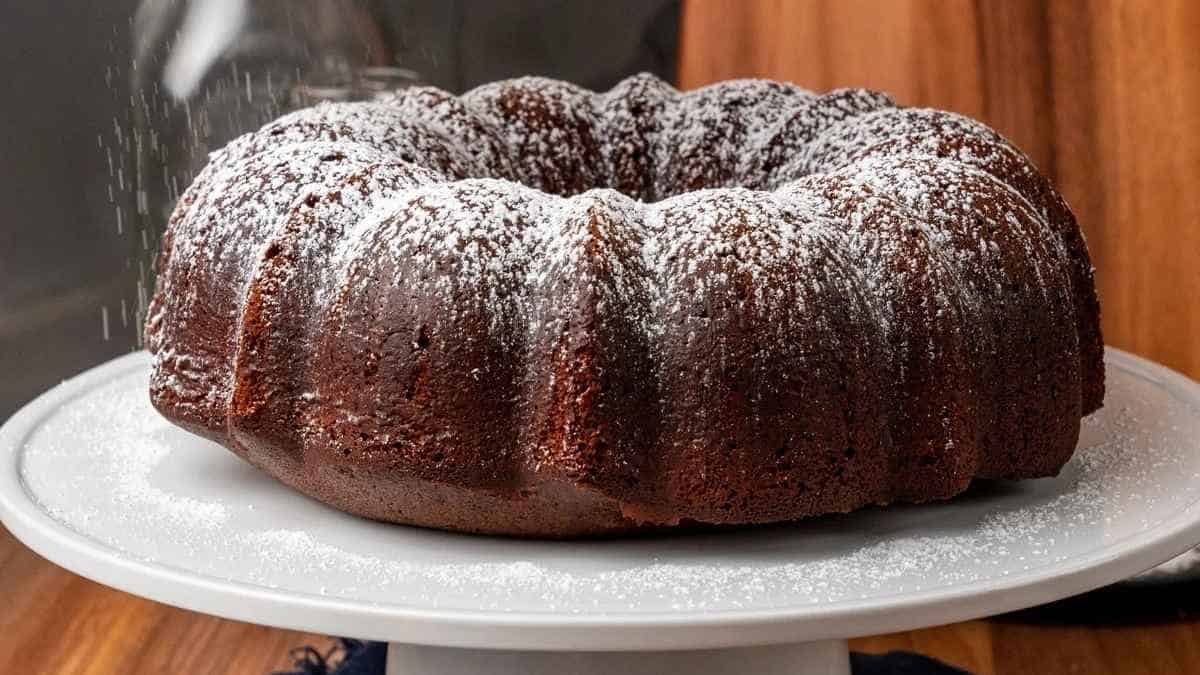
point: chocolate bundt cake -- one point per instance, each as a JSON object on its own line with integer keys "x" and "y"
{"x": 537, "y": 310}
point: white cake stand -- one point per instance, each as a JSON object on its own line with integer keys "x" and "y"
{"x": 93, "y": 479}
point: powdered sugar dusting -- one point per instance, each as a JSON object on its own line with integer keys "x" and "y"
{"x": 123, "y": 447}
{"x": 646, "y": 138}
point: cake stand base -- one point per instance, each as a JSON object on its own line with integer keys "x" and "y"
{"x": 826, "y": 657}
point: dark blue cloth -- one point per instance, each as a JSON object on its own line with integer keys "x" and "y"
{"x": 348, "y": 657}
{"x": 353, "y": 657}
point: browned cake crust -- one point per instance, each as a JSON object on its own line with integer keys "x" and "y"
{"x": 538, "y": 310}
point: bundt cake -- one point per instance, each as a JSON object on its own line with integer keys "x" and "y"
{"x": 537, "y": 310}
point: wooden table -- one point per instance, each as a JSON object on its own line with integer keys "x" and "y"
{"x": 55, "y": 623}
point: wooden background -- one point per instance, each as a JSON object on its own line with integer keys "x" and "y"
{"x": 1104, "y": 96}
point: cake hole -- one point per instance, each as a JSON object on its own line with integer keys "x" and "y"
{"x": 311, "y": 201}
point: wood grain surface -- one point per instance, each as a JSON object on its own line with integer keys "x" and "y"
{"x": 56, "y": 623}
{"x": 1103, "y": 95}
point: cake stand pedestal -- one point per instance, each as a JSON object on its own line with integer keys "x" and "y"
{"x": 94, "y": 480}
{"x": 826, "y": 657}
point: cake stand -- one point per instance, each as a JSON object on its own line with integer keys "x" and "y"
{"x": 94, "y": 480}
